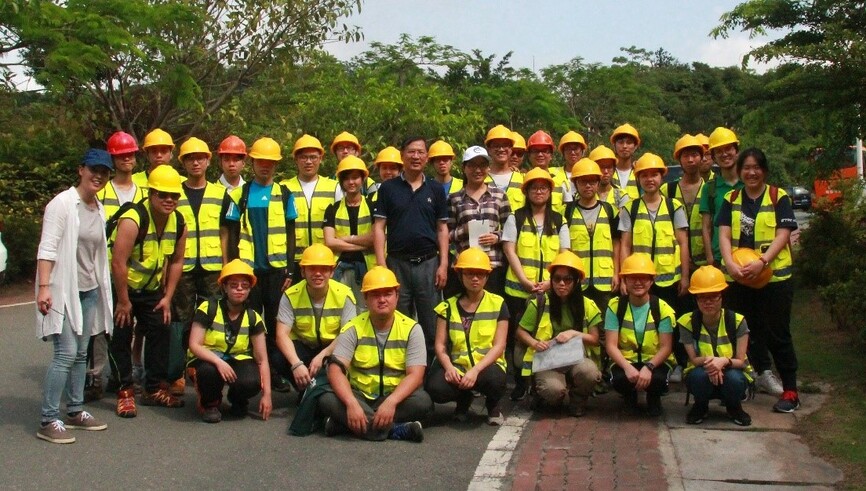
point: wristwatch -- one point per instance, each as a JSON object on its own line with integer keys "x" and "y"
{"x": 650, "y": 365}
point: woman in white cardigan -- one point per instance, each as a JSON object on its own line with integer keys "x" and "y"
{"x": 73, "y": 294}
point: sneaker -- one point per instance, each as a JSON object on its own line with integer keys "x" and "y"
{"x": 178, "y": 387}
{"x": 676, "y": 376}
{"x": 495, "y": 417}
{"x": 161, "y": 397}
{"x": 788, "y": 403}
{"x": 697, "y": 413}
{"x": 654, "y": 405}
{"x": 767, "y": 382}
{"x": 55, "y": 432}
{"x": 126, "y": 403}
{"x": 738, "y": 416}
{"x": 412, "y": 431}
{"x": 84, "y": 421}
{"x": 520, "y": 390}
{"x": 211, "y": 415}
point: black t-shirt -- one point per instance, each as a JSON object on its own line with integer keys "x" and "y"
{"x": 194, "y": 196}
{"x": 412, "y": 217}
{"x": 330, "y": 220}
{"x": 784, "y": 216}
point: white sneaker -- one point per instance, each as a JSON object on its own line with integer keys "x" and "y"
{"x": 767, "y": 382}
{"x": 676, "y": 375}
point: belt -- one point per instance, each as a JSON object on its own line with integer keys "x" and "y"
{"x": 415, "y": 259}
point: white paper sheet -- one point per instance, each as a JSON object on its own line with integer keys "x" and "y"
{"x": 558, "y": 355}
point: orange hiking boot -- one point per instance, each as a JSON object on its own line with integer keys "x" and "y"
{"x": 161, "y": 397}
{"x": 178, "y": 387}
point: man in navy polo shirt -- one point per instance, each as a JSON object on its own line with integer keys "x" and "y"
{"x": 414, "y": 211}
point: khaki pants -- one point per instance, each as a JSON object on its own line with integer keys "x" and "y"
{"x": 575, "y": 381}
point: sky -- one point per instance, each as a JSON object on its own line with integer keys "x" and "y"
{"x": 547, "y": 32}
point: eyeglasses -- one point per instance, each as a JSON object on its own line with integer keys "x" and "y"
{"x": 498, "y": 145}
{"x": 708, "y": 297}
{"x": 539, "y": 189}
{"x": 165, "y": 195}
{"x": 238, "y": 285}
{"x": 475, "y": 273}
{"x": 517, "y": 153}
{"x": 567, "y": 279}
{"x": 308, "y": 158}
{"x": 541, "y": 150}
{"x": 477, "y": 165}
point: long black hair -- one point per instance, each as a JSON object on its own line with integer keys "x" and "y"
{"x": 573, "y": 302}
{"x": 524, "y": 214}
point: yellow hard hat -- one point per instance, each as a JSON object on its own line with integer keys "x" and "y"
{"x": 193, "y": 145}
{"x": 743, "y": 256}
{"x": 569, "y": 260}
{"x": 378, "y": 277}
{"x": 687, "y": 141}
{"x": 518, "y": 140}
{"x": 389, "y": 155}
{"x": 440, "y": 148}
{"x": 602, "y": 152}
{"x": 499, "y": 132}
{"x": 473, "y": 258}
{"x": 350, "y": 162}
{"x": 707, "y": 279}
{"x": 157, "y": 137}
{"x": 266, "y": 148}
{"x": 237, "y": 267}
{"x": 318, "y": 255}
{"x": 650, "y": 161}
{"x": 164, "y": 178}
{"x": 721, "y": 137}
{"x": 535, "y": 174}
{"x": 346, "y": 137}
{"x": 705, "y": 141}
{"x": 571, "y": 137}
{"x": 307, "y": 141}
{"x": 638, "y": 263}
{"x": 625, "y": 129}
{"x": 585, "y": 167}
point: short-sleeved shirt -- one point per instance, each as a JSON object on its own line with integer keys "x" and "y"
{"x": 330, "y": 221}
{"x": 257, "y": 210}
{"x": 639, "y": 318}
{"x": 411, "y": 217}
{"x": 416, "y": 349}
{"x": 591, "y": 315}
{"x": 784, "y": 216}
{"x": 714, "y": 207}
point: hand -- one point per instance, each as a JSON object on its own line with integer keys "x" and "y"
{"x": 165, "y": 306}
{"x": 226, "y": 372}
{"x": 734, "y": 270}
{"x": 488, "y": 239}
{"x": 452, "y": 376}
{"x": 441, "y": 275}
{"x": 542, "y": 287}
{"x": 752, "y": 270}
{"x": 566, "y": 336}
{"x": 683, "y": 286}
{"x": 316, "y": 364}
{"x": 622, "y": 288}
{"x": 265, "y": 406}
{"x": 540, "y": 345}
{"x": 301, "y": 376}
{"x": 631, "y": 373}
{"x": 43, "y": 300}
{"x": 527, "y": 285}
{"x": 645, "y": 376}
{"x": 287, "y": 283}
{"x": 123, "y": 313}
{"x": 614, "y": 285}
{"x": 356, "y": 418}
{"x": 469, "y": 379}
{"x": 384, "y": 416}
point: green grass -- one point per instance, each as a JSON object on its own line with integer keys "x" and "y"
{"x": 827, "y": 355}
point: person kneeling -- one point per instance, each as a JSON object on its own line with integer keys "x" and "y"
{"x": 565, "y": 314}
{"x": 227, "y": 347}
{"x": 474, "y": 324}
{"x": 377, "y": 369}
{"x": 639, "y": 336}
{"x": 716, "y": 341}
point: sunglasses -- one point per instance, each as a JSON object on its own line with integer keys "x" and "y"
{"x": 568, "y": 279}
{"x": 165, "y": 195}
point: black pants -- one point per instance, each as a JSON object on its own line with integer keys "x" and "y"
{"x": 768, "y": 314}
{"x": 150, "y": 326}
{"x": 281, "y": 366}
{"x": 669, "y": 295}
{"x": 516, "y": 308}
{"x": 209, "y": 383}
{"x": 490, "y": 383}
{"x": 265, "y": 299}
{"x": 657, "y": 386}
{"x": 415, "y": 407}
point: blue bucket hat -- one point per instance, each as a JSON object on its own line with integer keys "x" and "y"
{"x": 95, "y": 157}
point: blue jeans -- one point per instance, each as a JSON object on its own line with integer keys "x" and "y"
{"x": 731, "y": 391}
{"x": 69, "y": 366}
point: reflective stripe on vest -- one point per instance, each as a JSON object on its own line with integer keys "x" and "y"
{"x": 765, "y": 232}
{"x": 535, "y": 251}
{"x": 277, "y": 242}
{"x": 203, "y": 230}
{"x": 667, "y": 249}
{"x": 372, "y": 376}
{"x": 545, "y": 333}
{"x": 696, "y": 239}
{"x": 724, "y": 347}
{"x": 595, "y": 249}
{"x": 308, "y": 225}
{"x": 481, "y": 332}
{"x": 215, "y": 336}
{"x": 306, "y": 329}
{"x": 342, "y": 226}
{"x": 147, "y": 273}
{"x": 636, "y": 352}
{"x": 111, "y": 202}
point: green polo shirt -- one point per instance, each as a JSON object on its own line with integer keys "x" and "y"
{"x": 706, "y": 207}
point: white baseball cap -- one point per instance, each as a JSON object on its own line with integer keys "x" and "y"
{"x": 475, "y": 151}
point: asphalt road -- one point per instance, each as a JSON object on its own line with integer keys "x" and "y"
{"x": 172, "y": 448}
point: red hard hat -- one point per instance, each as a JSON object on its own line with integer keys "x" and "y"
{"x": 120, "y": 143}
{"x": 540, "y": 139}
{"x": 232, "y": 145}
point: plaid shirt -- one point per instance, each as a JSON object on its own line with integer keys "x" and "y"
{"x": 492, "y": 206}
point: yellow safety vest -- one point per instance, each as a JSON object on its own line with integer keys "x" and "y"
{"x": 308, "y": 226}
{"x": 631, "y": 187}
{"x": 481, "y": 332}
{"x": 146, "y": 266}
{"x": 591, "y": 317}
{"x": 595, "y": 248}
{"x": 215, "y": 335}
{"x": 535, "y": 251}
{"x": 696, "y": 224}
{"x": 456, "y": 185}
{"x": 203, "y": 236}
{"x": 636, "y": 352}
{"x": 516, "y": 198}
{"x": 765, "y": 231}
{"x": 342, "y": 226}
{"x": 111, "y": 203}
{"x": 724, "y": 347}
{"x": 373, "y": 376}
{"x": 277, "y": 241}
{"x": 658, "y": 239}
{"x": 306, "y": 329}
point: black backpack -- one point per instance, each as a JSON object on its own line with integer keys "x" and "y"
{"x": 143, "y": 223}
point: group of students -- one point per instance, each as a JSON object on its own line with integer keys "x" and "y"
{"x": 376, "y": 299}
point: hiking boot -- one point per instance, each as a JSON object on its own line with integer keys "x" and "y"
{"x": 211, "y": 415}
{"x": 521, "y": 388}
{"x": 412, "y": 432}
{"x": 676, "y": 376}
{"x": 334, "y": 427}
{"x": 697, "y": 413}
{"x": 788, "y": 403}
{"x": 126, "y": 403}
{"x": 178, "y": 387}
{"x": 495, "y": 417}
{"x": 738, "y": 416}
{"x": 84, "y": 421}
{"x": 767, "y": 382}
{"x": 55, "y": 432}
{"x": 654, "y": 405}
{"x": 162, "y": 397}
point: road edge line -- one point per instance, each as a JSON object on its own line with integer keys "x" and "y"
{"x": 492, "y": 470}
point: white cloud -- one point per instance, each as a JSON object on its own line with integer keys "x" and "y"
{"x": 730, "y": 51}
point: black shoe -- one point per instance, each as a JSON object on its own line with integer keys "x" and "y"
{"x": 697, "y": 413}
{"x": 279, "y": 384}
{"x": 412, "y": 432}
{"x": 738, "y": 416}
{"x": 521, "y": 388}
{"x": 654, "y": 405}
{"x": 630, "y": 400}
{"x": 240, "y": 409}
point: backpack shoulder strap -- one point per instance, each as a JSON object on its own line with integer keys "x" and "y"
{"x": 540, "y": 299}
{"x": 212, "y": 305}
{"x": 774, "y": 195}
{"x": 710, "y": 189}
{"x": 569, "y": 211}
{"x": 669, "y": 202}
{"x": 731, "y": 328}
{"x": 635, "y": 205}
{"x": 697, "y": 322}
{"x": 143, "y": 221}
{"x": 734, "y": 195}
{"x": 655, "y": 310}
{"x": 608, "y": 208}
{"x": 245, "y": 197}
{"x": 620, "y": 310}
{"x": 672, "y": 189}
